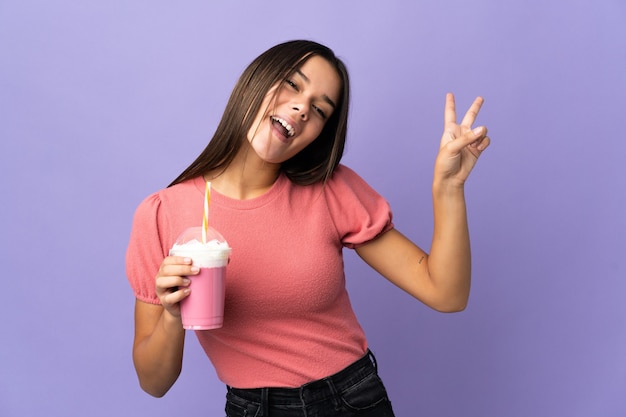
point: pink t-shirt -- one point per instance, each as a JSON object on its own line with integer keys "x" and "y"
{"x": 288, "y": 319}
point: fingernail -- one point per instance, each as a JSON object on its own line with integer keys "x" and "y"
{"x": 195, "y": 269}
{"x": 187, "y": 260}
{"x": 186, "y": 281}
{"x": 478, "y": 131}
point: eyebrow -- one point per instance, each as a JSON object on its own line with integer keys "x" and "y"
{"x": 324, "y": 96}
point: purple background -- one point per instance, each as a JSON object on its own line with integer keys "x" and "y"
{"x": 104, "y": 102}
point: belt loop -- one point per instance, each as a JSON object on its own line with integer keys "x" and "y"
{"x": 334, "y": 392}
{"x": 373, "y": 359}
{"x": 265, "y": 402}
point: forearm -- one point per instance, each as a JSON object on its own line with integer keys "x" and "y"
{"x": 158, "y": 356}
{"x": 449, "y": 262}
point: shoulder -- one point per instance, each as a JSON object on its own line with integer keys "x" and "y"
{"x": 358, "y": 211}
{"x": 182, "y": 190}
{"x": 172, "y": 194}
{"x": 346, "y": 181}
{"x": 343, "y": 172}
{"x": 161, "y": 204}
{"x": 163, "y": 215}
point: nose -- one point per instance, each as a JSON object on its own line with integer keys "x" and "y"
{"x": 302, "y": 111}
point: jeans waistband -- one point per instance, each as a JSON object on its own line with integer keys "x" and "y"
{"x": 313, "y": 391}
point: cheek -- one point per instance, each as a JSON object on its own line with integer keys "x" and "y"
{"x": 258, "y": 123}
{"x": 314, "y": 129}
{"x": 257, "y": 127}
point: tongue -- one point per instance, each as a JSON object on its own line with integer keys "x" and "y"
{"x": 280, "y": 128}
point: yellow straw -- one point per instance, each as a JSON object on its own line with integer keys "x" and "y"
{"x": 205, "y": 218}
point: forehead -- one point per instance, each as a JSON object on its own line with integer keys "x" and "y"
{"x": 321, "y": 76}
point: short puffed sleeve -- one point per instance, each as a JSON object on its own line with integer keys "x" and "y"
{"x": 359, "y": 213}
{"x": 145, "y": 250}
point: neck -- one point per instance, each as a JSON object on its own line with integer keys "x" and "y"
{"x": 246, "y": 177}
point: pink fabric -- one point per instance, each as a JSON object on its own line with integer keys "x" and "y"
{"x": 288, "y": 319}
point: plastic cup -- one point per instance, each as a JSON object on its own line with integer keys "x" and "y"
{"x": 203, "y": 308}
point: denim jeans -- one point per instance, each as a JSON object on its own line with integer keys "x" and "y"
{"x": 355, "y": 391}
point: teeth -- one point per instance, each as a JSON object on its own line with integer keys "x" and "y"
{"x": 290, "y": 130}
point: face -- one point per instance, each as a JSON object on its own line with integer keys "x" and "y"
{"x": 295, "y": 111}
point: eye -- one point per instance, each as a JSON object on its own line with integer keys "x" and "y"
{"x": 320, "y": 111}
{"x": 291, "y": 84}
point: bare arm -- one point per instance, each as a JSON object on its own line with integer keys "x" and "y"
{"x": 159, "y": 335}
{"x": 442, "y": 279}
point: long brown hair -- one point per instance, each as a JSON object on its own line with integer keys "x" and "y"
{"x": 314, "y": 163}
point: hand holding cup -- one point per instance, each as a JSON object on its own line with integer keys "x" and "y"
{"x": 172, "y": 282}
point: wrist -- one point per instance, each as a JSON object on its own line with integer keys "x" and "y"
{"x": 448, "y": 188}
{"x": 172, "y": 323}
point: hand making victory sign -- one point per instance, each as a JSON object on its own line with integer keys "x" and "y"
{"x": 442, "y": 278}
{"x": 460, "y": 144}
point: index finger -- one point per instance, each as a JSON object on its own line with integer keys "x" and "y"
{"x": 177, "y": 260}
{"x": 472, "y": 113}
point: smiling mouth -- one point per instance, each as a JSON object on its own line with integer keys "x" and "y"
{"x": 282, "y": 125}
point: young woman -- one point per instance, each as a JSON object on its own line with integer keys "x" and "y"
{"x": 291, "y": 344}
